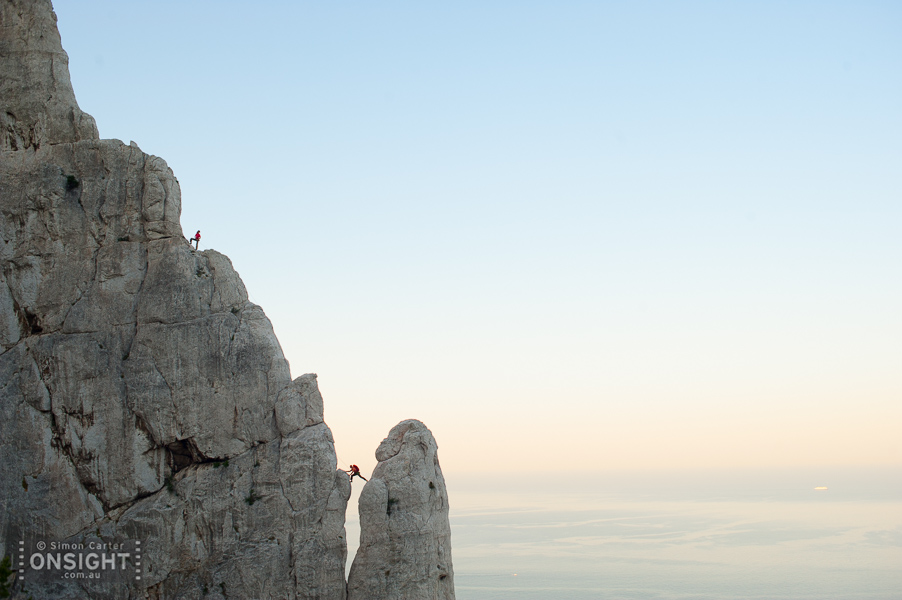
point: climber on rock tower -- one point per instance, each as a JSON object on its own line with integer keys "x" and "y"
{"x": 355, "y": 470}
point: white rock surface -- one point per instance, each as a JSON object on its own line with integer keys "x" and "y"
{"x": 142, "y": 396}
{"x": 34, "y": 60}
{"x": 405, "y": 535}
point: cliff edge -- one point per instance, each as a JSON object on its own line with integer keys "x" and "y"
{"x": 145, "y": 404}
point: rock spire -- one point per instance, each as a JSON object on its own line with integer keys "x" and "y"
{"x": 40, "y": 105}
{"x": 405, "y": 535}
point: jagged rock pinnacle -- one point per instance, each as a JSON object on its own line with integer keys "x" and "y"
{"x": 405, "y": 535}
{"x": 39, "y": 105}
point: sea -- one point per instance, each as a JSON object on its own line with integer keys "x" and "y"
{"x": 767, "y": 534}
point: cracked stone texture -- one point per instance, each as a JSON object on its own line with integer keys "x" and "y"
{"x": 142, "y": 396}
{"x": 405, "y": 535}
{"x": 34, "y": 62}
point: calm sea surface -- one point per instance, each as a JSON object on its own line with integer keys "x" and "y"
{"x": 678, "y": 536}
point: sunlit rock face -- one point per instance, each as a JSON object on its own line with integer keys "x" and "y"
{"x": 405, "y": 535}
{"x": 142, "y": 396}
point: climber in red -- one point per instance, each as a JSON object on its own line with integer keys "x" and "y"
{"x": 355, "y": 470}
{"x": 196, "y": 239}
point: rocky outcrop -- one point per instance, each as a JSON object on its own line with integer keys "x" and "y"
{"x": 36, "y": 73}
{"x": 146, "y": 404}
{"x": 405, "y": 536}
{"x": 142, "y": 396}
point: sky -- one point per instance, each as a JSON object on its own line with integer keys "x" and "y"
{"x": 565, "y": 235}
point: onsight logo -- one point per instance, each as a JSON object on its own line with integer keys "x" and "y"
{"x": 91, "y": 559}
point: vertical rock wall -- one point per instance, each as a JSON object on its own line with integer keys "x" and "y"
{"x": 142, "y": 396}
{"x": 405, "y": 535}
{"x": 36, "y": 74}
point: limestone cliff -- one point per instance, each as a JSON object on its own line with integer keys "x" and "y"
{"x": 143, "y": 398}
{"x": 36, "y": 74}
{"x": 405, "y": 535}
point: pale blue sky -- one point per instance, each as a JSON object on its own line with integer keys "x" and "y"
{"x": 636, "y": 234}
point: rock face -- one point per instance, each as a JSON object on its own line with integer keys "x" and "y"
{"x": 143, "y": 398}
{"x": 34, "y": 63}
{"x": 405, "y": 536}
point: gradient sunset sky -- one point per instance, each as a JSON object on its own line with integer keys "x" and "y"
{"x": 615, "y": 234}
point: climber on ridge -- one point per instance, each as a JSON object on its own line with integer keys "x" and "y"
{"x": 195, "y": 239}
{"x": 355, "y": 470}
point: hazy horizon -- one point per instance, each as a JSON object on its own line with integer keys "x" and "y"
{"x": 676, "y": 535}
